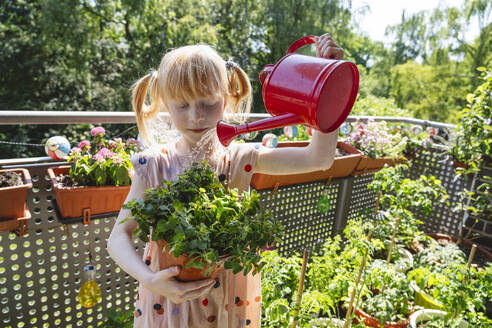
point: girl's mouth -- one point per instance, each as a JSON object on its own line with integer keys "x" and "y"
{"x": 198, "y": 130}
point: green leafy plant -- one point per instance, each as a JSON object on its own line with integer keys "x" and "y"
{"x": 102, "y": 162}
{"x": 197, "y": 216}
{"x": 116, "y": 319}
{"x": 400, "y": 198}
{"x": 391, "y": 296}
{"x": 279, "y": 279}
{"x": 473, "y": 135}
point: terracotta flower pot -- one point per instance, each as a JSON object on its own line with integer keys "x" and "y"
{"x": 373, "y": 322}
{"x": 166, "y": 259}
{"x": 342, "y": 166}
{"x": 18, "y": 225}
{"x": 13, "y": 199}
{"x": 72, "y": 201}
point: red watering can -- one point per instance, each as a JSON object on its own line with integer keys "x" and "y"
{"x": 299, "y": 89}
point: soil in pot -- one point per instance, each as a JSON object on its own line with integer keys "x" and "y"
{"x": 10, "y": 179}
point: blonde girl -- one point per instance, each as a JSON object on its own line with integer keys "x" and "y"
{"x": 196, "y": 87}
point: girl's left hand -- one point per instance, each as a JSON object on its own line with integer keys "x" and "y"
{"x": 327, "y": 48}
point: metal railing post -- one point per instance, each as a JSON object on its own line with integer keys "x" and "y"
{"x": 343, "y": 204}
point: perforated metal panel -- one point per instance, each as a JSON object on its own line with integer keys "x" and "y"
{"x": 442, "y": 218}
{"x": 296, "y": 208}
{"x": 41, "y": 273}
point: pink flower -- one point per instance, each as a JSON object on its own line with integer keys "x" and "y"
{"x": 75, "y": 151}
{"x": 132, "y": 141}
{"x": 99, "y": 130}
{"x": 117, "y": 160}
{"x": 105, "y": 153}
{"x": 84, "y": 143}
{"x": 118, "y": 140}
{"x": 98, "y": 157}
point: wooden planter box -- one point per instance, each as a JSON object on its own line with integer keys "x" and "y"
{"x": 342, "y": 167}
{"x": 73, "y": 201}
{"x": 13, "y": 199}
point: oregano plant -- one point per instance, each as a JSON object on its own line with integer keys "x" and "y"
{"x": 197, "y": 216}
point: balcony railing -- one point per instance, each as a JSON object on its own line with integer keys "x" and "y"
{"x": 41, "y": 271}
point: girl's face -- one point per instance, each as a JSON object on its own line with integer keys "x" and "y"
{"x": 194, "y": 118}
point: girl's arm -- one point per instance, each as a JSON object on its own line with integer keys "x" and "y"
{"x": 320, "y": 152}
{"x": 122, "y": 250}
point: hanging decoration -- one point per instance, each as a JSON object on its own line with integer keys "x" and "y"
{"x": 251, "y": 135}
{"x": 324, "y": 204}
{"x": 57, "y": 147}
{"x": 90, "y": 293}
{"x": 290, "y": 131}
{"x": 269, "y": 140}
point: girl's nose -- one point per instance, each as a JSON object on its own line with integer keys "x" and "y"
{"x": 197, "y": 114}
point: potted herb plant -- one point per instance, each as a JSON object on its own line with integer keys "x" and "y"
{"x": 201, "y": 225}
{"x": 14, "y": 184}
{"x": 378, "y": 146}
{"x": 98, "y": 177}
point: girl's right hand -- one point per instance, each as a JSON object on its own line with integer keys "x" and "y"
{"x": 163, "y": 283}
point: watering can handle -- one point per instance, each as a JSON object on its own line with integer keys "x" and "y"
{"x": 267, "y": 68}
{"x": 300, "y": 43}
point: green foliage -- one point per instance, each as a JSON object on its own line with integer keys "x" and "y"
{"x": 198, "y": 217}
{"x": 473, "y": 137}
{"x": 391, "y": 297}
{"x": 102, "y": 162}
{"x": 378, "y": 106}
{"x": 401, "y": 194}
{"x": 279, "y": 279}
{"x": 118, "y": 320}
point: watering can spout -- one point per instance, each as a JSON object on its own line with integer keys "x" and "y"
{"x": 226, "y": 132}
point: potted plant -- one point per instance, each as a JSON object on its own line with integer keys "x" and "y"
{"x": 346, "y": 159}
{"x": 390, "y": 300}
{"x": 98, "y": 177}
{"x": 200, "y": 224}
{"x": 378, "y": 146}
{"x": 14, "y": 184}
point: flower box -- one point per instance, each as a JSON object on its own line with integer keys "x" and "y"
{"x": 342, "y": 166}
{"x": 72, "y": 201}
{"x": 371, "y": 165}
{"x": 18, "y": 225}
{"x": 13, "y": 199}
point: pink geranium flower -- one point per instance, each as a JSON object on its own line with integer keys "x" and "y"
{"x": 84, "y": 143}
{"x": 99, "y": 130}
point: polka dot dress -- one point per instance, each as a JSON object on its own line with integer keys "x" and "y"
{"x": 234, "y": 300}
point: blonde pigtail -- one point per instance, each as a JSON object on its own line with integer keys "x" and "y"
{"x": 240, "y": 91}
{"x": 143, "y": 111}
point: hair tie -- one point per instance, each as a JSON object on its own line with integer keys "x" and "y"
{"x": 230, "y": 64}
{"x": 153, "y": 73}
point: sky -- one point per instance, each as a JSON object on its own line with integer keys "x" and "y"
{"x": 388, "y": 12}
